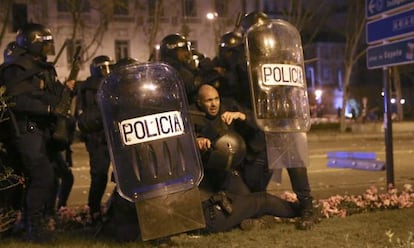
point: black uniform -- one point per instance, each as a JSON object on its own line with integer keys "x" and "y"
{"x": 64, "y": 179}
{"x": 193, "y": 67}
{"x": 187, "y": 74}
{"x": 31, "y": 83}
{"x": 226, "y": 209}
{"x": 233, "y": 81}
{"x": 92, "y": 132}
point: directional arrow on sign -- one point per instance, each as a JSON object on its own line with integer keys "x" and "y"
{"x": 375, "y": 8}
{"x": 371, "y": 6}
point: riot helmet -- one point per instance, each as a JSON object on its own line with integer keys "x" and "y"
{"x": 36, "y": 39}
{"x": 231, "y": 40}
{"x": 253, "y": 18}
{"x": 228, "y": 152}
{"x": 101, "y": 66}
{"x": 11, "y": 51}
{"x": 170, "y": 46}
{"x": 230, "y": 43}
{"x": 124, "y": 62}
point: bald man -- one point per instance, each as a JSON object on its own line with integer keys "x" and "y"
{"x": 226, "y": 116}
{"x": 225, "y": 184}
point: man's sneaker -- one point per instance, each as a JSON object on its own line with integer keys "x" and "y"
{"x": 263, "y": 222}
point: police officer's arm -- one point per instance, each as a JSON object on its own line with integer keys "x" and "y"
{"x": 70, "y": 84}
{"x": 88, "y": 112}
{"x": 32, "y": 99}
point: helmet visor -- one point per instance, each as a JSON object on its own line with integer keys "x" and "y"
{"x": 180, "y": 44}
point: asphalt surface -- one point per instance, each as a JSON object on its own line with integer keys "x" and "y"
{"x": 325, "y": 181}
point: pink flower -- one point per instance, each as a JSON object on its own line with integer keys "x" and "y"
{"x": 289, "y": 196}
{"x": 408, "y": 187}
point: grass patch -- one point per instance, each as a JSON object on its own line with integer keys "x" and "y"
{"x": 373, "y": 229}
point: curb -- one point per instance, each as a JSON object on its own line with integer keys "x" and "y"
{"x": 400, "y": 130}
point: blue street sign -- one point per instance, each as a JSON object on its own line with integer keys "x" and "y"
{"x": 395, "y": 53}
{"x": 395, "y": 26}
{"x": 375, "y": 8}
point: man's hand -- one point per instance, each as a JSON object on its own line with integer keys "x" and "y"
{"x": 61, "y": 109}
{"x": 220, "y": 70}
{"x": 203, "y": 143}
{"x": 228, "y": 117}
{"x": 70, "y": 84}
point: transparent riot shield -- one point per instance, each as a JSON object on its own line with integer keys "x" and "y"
{"x": 155, "y": 160}
{"x": 279, "y": 93}
{"x": 276, "y": 74}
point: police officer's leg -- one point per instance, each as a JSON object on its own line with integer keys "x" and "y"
{"x": 51, "y": 206}
{"x": 268, "y": 204}
{"x": 66, "y": 185}
{"x": 256, "y": 172}
{"x": 218, "y": 219}
{"x": 300, "y": 185}
{"x": 121, "y": 220}
{"x": 244, "y": 207}
{"x": 99, "y": 165}
{"x": 229, "y": 181}
{"x": 66, "y": 181}
{"x": 40, "y": 173}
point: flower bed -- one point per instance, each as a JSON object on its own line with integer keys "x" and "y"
{"x": 370, "y": 200}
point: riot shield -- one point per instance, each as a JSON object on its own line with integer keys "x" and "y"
{"x": 279, "y": 93}
{"x": 276, "y": 74}
{"x": 155, "y": 160}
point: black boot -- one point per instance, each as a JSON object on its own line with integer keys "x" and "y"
{"x": 37, "y": 230}
{"x": 308, "y": 216}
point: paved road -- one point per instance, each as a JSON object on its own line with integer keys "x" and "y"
{"x": 324, "y": 181}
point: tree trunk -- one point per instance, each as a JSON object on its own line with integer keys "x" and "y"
{"x": 347, "y": 78}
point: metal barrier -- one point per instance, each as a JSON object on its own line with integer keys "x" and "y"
{"x": 354, "y": 160}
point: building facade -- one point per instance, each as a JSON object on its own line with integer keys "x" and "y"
{"x": 122, "y": 28}
{"x": 133, "y": 28}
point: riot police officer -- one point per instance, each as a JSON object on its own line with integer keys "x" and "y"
{"x": 234, "y": 83}
{"x": 175, "y": 51}
{"x": 90, "y": 124}
{"x": 297, "y": 172}
{"x": 32, "y": 86}
{"x": 229, "y": 63}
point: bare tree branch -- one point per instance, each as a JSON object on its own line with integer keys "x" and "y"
{"x": 354, "y": 48}
{"x": 307, "y": 16}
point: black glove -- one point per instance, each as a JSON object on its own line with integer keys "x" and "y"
{"x": 206, "y": 64}
{"x": 63, "y": 106}
{"x": 222, "y": 200}
{"x": 61, "y": 109}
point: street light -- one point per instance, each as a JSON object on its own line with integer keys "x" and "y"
{"x": 211, "y": 15}
{"x": 318, "y": 96}
{"x": 157, "y": 53}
